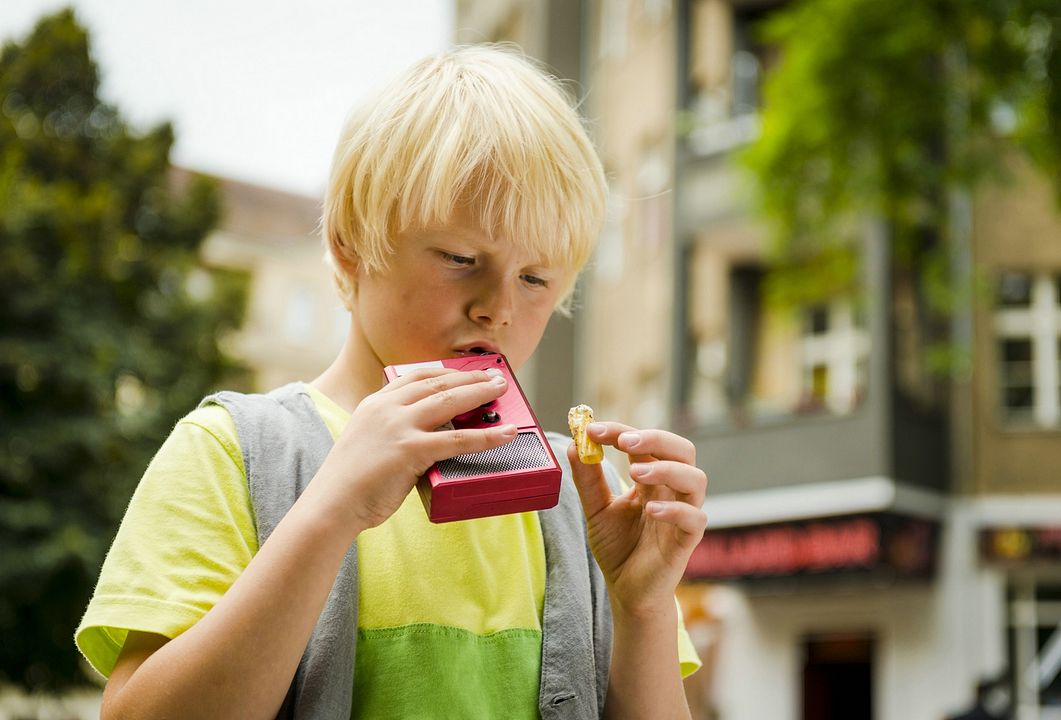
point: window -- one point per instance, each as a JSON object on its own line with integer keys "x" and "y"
{"x": 750, "y": 57}
{"x": 749, "y": 362}
{"x": 1014, "y": 289}
{"x": 835, "y": 355}
{"x": 817, "y": 320}
{"x": 704, "y": 361}
{"x": 745, "y": 317}
{"x": 1028, "y": 326}
{"x": 727, "y": 63}
{"x": 1018, "y": 386}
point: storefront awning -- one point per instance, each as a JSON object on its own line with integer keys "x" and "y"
{"x": 818, "y": 500}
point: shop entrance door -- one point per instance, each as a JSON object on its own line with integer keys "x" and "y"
{"x": 1035, "y": 648}
{"x": 838, "y": 677}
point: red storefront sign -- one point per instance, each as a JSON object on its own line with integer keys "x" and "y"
{"x": 860, "y": 544}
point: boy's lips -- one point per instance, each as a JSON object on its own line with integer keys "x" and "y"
{"x": 477, "y": 348}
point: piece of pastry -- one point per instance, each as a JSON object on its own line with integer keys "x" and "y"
{"x": 589, "y": 452}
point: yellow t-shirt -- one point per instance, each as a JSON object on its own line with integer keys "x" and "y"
{"x": 449, "y": 615}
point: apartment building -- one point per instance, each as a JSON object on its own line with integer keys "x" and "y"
{"x": 1010, "y": 490}
{"x": 880, "y": 539}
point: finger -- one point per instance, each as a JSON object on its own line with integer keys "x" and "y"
{"x": 445, "y": 444}
{"x": 454, "y": 399}
{"x": 416, "y": 375}
{"x": 432, "y": 385}
{"x": 589, "y": 480}
{"x": 637, "y": 443}
{"x": 686, "y": 480}
{"x": 687, "y": 518}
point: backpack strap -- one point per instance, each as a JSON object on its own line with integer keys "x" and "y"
{"x": 576, "y": 617}
{"x": 284, "y": 442}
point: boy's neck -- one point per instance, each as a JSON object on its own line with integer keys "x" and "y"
{"x": 351, "y": 377}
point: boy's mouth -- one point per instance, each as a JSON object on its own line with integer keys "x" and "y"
{"x": 476, "y": 350}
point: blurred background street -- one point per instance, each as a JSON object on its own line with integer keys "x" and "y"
{"x": 832, "y": 260}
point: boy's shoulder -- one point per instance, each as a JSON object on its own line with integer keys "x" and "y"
{"x": 215, "y": 412}
{"x": 212, "y": 417}
{"x": 211, "y": 425}
{"x": 208, "y": 428}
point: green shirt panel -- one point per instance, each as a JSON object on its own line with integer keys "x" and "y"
{"x": 432, "y": 671}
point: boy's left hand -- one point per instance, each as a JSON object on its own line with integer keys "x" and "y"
{"x": 643, "y": 538}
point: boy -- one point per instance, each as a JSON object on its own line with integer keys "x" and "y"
{"x": 463, "y": 201}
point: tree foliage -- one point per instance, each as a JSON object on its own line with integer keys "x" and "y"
{"x": 109, "y": 331}
{"x": 882, "y": 108}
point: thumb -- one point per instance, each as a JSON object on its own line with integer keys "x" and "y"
{"x": 589, "y": 480}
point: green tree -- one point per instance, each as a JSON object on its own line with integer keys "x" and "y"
{"x": 885, "y": 109}
{"x": 109, "y": 331}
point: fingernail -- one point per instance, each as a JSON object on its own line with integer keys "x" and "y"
{"x": 654, "y": 508}
{"x": 498, "y": 380}
{"x": 630, "y": 439}
{"x": 640, "y": 470}
{"x": 494, "y": 372}
{"x": 595, "y": 428}
{"x": 508, "y": 430}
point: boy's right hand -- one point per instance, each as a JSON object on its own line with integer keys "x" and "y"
{"x": 392, "y": 439}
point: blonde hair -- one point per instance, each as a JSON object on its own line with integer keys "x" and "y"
{"x": 477, "y": 126}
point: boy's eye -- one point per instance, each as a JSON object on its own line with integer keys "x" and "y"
{"x": 535, "y": 280}
{"x": 463, "y": 260}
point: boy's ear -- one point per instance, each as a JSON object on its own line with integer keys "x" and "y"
{"x": 345, "y": 258}
{"x": 350, "y": 265}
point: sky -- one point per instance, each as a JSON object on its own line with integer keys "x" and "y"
{"x": 256, "y": 90}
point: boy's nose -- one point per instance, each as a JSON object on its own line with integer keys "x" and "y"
{"x": 492, "y": 307}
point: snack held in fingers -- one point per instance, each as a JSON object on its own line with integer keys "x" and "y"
{"x": 578, "y": 419}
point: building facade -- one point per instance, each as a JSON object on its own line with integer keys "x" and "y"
{"x": 880, "y": 539}
{"x": 295, "y": 323}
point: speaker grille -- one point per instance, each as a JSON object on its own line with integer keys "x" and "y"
{"x": 525, "y": 452}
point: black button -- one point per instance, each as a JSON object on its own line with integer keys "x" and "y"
{"x": 491, "y": 417}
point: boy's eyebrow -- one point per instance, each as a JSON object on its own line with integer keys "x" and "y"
{"x": 481, "y": 240}
{"x": 539, "y": 264}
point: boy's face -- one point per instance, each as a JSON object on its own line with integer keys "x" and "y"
{"x": 452, "y": 289}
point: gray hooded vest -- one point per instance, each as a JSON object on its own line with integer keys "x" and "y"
{"x": 284, "y": 442}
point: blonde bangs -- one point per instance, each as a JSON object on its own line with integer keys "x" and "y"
{"x": 477, "y": 127}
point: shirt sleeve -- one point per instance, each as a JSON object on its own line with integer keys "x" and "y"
{"x": 688, "y": 658}
{"x": 186, "y": 536}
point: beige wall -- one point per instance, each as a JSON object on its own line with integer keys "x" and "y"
{"x": 625, "y": 348}
{"x": 295, "y": 323}
{"x": 515, "y": 21}
{"x": 1016, "y": 226}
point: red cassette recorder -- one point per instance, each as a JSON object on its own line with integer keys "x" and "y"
{"x": 518, "y": 476}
